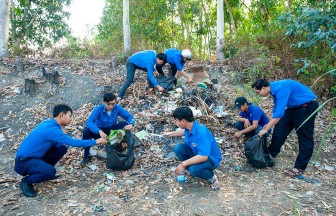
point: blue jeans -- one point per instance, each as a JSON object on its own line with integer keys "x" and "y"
{"x": 201, "y": 170}
{"x": 87, "y": 134}
{"x": 130, "y": 72}
{"x": 40, "y": 169}
{"x": 240, "y": 126}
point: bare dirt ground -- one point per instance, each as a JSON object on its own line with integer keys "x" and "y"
{"x": 149, "y": 187}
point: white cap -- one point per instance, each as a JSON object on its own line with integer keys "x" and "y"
{"x": 187, "y": 54}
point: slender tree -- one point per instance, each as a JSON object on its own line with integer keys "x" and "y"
{"x": 220, "y": 31}
{"x": 4, "y": 27}
{"x": 126, "y": 27}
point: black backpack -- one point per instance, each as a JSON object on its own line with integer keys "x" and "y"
{"x": 256, "y": 152}
{"x": 117, "y": 159}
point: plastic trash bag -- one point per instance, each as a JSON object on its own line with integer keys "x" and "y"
{"x": 256, "y": 152}
{"x": 119, "y": 158}
{"x": 166, "y": 82}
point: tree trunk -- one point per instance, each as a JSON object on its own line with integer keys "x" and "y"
{"x": 19, "y": 64}
{"x": 290, "y": 5}
{"x": 127, "y": 31}
{"x": 231, "y": 17}
{"x": 220, "y": 32}
{"x": 30, "y": 87}
{"x": 4, "y": 26}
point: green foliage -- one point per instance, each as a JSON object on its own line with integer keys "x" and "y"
{"x": 38, "y": 23}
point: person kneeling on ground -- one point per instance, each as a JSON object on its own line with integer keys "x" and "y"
{"x": 200, "y": 154}
{"x": 44, "y": 147}
{"x": 103, "y": 119}
{"x": 251, "y": 118}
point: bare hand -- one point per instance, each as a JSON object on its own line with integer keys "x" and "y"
{"x": 237, "y": 134}
{"x": 262, "y": 132}
{"x": 128, "y": 127}
{"x": 189, "y": 80}
{"x": 101, "y": 141}
{"x": 179, "y": 169}
{"x": 247, "y": 123}
{"x": 167, "y": 134}
{"x": 160, "y": 88}
{"x": 102, "y": 134}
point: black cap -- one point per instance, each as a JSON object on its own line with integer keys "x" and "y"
{"x": 240, "y": 101}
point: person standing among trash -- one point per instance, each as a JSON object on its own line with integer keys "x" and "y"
{"x": 103, "y": 119}
{"x": 251, "y": 118}
{"x": 145, "y": 61}
{"x": 200, "y": 154}
{"x": 177, "y": 59}
{"x": 294, "y": 103}
{"x": 44, "y": 147}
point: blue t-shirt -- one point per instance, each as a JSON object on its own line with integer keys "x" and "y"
{"x": 289, "y": 94}
{"x": 46, "y": 135}
{"x": 174, "y": 57}
{"x": 254, "y": 113}
{"x": 99, "y": 118}
{"x": 145, "y": 59}
{"x": 202, "y": 142}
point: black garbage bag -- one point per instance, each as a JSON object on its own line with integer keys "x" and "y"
{"x": 256, "y": 152}
{"x": 166, "y": 82}
{"x": 119, "y": 158}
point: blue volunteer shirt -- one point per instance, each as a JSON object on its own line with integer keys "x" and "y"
{"x": 99, "y": 118}
{"x": 289, "y": 94}
{"x": 254, "y": 113}
{"x": 145, "y": 59}
{"x": 174, "y": 57}
{"x": 202, "y": 142}
{"x": 46, "y": 135}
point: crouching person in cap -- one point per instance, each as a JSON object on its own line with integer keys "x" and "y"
{"x": 44, "y": 147}
{"x": 251, "y": 118}
{"x": 200, "y": 154}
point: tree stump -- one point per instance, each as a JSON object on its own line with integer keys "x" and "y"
{"x": 53, "y": 77}
{"x": 19, "y": 64}
{"x": 30, "y": 87}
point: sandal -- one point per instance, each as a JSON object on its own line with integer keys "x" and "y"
{"x": 214, "y": 183}
{"x": 294, "y": 172}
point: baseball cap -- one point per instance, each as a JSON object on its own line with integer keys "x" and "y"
{"x": 240, "y": 101}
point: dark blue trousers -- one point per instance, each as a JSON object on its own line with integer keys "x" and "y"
{"x": 202, "y": 170}
{"x": 130, "y": 72}
{"x": 42, "y": 169}
{"x": 293, "y": 118}
{"x": 87, "y": 134}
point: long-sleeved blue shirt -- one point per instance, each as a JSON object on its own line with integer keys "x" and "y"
{"x": 202, "y": 142}
{"x": 47, "y": 134}
{"x": 99, "y": 118}
{"x": 174, "y": 57}
{"x": 145, "y": 59}
{"x": 289, "y": 94}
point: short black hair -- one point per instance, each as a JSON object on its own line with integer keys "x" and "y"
{"x": 61, "y": 108}
{"x": 108, "y": 97}
{"x": 162, "y": 56}
{"x": 259, "y": 83}
{"x": 183, "y": 113}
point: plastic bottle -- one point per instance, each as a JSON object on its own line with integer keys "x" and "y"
{"x": 181, "y": 178}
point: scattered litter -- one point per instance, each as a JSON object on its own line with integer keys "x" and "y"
{"x": 237, "y": 168}
{"x": 328, "y": 168}
{"x": 96, "y": 208}
{"x": 110, "y": 177}
{"x": 93, "y": 167}
{"x": 310, "y": 193}
{"x": 93, "y": 151}
{"x": 220, "y": 112}
{"x": 202, "y": 85}
{"x": 195, "y": 111}
{"x": 315, "y": 163}
{"x": 2, "y": 138}
{"x": 142, "y": 135}
{"x": 308, "y": 180}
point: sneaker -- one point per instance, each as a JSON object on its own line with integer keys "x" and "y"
{"x": 84, "y": 162}
{"x": 27, "y": 189}
{"x": 214, "y": 183}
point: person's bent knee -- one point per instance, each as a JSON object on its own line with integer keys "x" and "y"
{"x": 179, "y": 148}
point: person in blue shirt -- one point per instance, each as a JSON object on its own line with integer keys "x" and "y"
{"x": 145, "y": 61}
{"x": 251, "y": 118}
{"x": 200, "y": 154}
{"x": 177, "y": 59}
{"x": 293, "y": 104}
{"x": 103, "y": 119}
{"x": 44, "y": 147}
